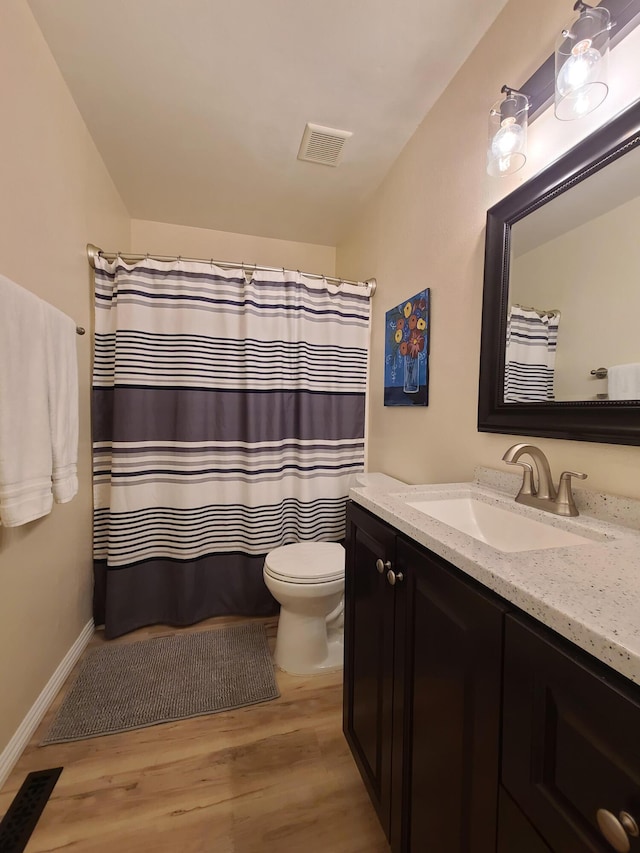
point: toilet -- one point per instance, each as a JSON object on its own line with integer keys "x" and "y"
{"x": 307, "y": 579}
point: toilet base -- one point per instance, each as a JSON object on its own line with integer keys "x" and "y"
{"x": 334, "y": 661}
{"x": 307, "y": 645}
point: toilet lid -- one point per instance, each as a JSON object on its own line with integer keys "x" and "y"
{"x": 306, "y": 562}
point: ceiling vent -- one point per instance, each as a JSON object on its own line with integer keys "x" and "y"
{"x": 322, "y": 144}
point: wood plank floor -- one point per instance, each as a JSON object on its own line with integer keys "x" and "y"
{"x": 276, "y": 777}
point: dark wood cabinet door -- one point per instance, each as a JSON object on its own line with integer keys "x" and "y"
{"x": 449, "y": 668}
{"x": 571, "y": 742}
{"x": 515, "y": 833}
{"x": 368, "y": 682}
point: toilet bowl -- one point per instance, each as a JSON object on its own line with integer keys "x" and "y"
{"x": 307, "y": 579}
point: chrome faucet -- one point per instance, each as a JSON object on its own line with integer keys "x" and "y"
{"x": 541, "y": 493}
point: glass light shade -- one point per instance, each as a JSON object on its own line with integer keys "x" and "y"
{"x": 582, "y": 53}
{"x": 507, "y": 149}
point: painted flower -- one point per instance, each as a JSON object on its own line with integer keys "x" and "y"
{"x": 407, "y": 310}
{"x": 398, "y": 336}
{"x": 400, "y": 324}
{"x": 416, "y": 343}
{"x": 422, "y": 305}
{"x": 413, "y": 322}
{"x": 422, "y": 324}
{"x": 404, "y": 348}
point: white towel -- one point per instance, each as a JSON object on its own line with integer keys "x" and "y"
{"x": 62, "y": 363}
{"x": 624, "y": 381}
{"x": 25, "y": 436}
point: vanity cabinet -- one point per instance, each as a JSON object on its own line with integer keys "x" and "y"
{"x": 476, "y": 729}
{"x": 571, "y": 740}
{"x": 422, "y": 692}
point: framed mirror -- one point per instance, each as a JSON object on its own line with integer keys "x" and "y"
{"x": 560, "y": 352}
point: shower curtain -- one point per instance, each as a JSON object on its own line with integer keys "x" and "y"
{"x": 228, "y": 419}
{"x": 532, "y": 338}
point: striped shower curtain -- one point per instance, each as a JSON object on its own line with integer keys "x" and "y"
{"x": 228, "y": 419}
{"x": 530, "y": 356}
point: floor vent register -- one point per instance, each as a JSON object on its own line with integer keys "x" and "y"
{"x": 24, "y": 812}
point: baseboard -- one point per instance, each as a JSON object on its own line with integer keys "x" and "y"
{"x": 13, "y": 750}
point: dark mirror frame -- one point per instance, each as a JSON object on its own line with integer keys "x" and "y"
{"x": 613, "y": 422}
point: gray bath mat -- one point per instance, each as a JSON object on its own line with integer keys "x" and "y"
{"x": 130, "y": 686}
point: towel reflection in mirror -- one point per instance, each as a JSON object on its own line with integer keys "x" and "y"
{"x": 624, "y": 381}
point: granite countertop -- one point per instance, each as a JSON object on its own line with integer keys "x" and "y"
{"x": 588, "y": 593}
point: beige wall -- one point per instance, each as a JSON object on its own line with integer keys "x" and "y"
{"x": 56, "y": 196}
{"x": 162, "y": 238}
{"x": 591, "y": 275}
{"x": 425, "y": 227}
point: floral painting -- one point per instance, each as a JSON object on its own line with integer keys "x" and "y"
{"x": 406, "y": 355}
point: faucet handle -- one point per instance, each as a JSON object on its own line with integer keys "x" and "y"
{"x": 527, "y": 487}
{"x": 565, "y": 504}
{"x": 566, "y": 475}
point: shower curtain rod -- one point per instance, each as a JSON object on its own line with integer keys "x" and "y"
{"x": 94, "y": 252}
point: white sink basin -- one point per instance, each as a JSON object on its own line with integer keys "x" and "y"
{"x": 500, "y": 528}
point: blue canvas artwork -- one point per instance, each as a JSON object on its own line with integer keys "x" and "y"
{"x": 406, "y": 352}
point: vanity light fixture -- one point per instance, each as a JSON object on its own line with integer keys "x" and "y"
{"x": 581, "y": 59}
{"x": 507, "y": 149}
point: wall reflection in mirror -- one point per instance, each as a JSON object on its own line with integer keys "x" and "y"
{"x": 574, "y": 292}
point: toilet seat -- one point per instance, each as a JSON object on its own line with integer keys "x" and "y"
{"x": 306, "y": 563}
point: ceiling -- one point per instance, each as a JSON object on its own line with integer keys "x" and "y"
{"x": 198, "y": 106}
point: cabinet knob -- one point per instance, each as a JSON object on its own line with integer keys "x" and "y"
{"x": 394, "y": 577}
{"x": 617, "y": 831}
{"x": 381, "y": 566}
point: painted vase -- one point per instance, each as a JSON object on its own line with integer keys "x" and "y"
{"x": 411, "y": 374}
